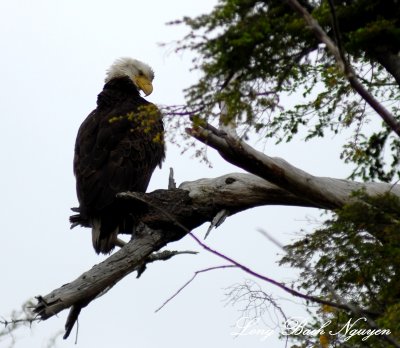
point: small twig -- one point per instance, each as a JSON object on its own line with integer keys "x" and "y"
{"x": 6, "y": 322}
{"x": 336, "y": 31}
{"x": 161, "y": 256}
{"x": 255, "y": 302}
{"x": 217, "y": 221}
{"x": 77, "y": 332}
{"x": 189, "y": 281}
{"x": 171, "y": 180}
{"x": 119, "y": 242}
{"x": 71, "y": 320}
{"x": 167, "y": 254}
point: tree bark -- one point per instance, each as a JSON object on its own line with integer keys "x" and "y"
{"x": 319, "y": 192}
{"x": 390, "y": 61}
{"x": 169, "y": 215}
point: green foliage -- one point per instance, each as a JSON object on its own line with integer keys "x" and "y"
{"x": 356, "y": 253}
{"x": 144, "y": 121}
{"x": 368, "y": 156}
{"x": 263, "y": 62}
{"x": 259, "y": 57}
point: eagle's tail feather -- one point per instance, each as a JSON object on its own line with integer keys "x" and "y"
{"x": 103, "y": 242}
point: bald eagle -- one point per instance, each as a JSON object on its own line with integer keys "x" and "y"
{"x": 117, "y": 148}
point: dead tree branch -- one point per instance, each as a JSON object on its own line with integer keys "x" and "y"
{"x": 193, "y": 204}
{"x": 321, "y": 192}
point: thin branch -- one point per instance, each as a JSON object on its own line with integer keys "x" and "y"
{"x": 255, "y": 301}
{"x": 340, "y": 300}
{"x": 336, "y": 31}
{"x": 167, "y": 254}
{"x": 218, "y": 220}
{"x": 171, "y": 180}
{"x": 15, "y": 322}
{"x": 18, "y": 319}
{"x": 345, "y": 67}
{"x": 269, "y": 280}
{"x": 247, "y": 269}
{"x": 189, "y": 281}
{"x": 161, "y": 256}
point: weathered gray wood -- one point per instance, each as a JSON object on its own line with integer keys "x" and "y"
{"x": 321, "y": 192}
{"x": 194, "y": 203}
{"x": 168, "y": 215}
{"x": 101, "y": 277}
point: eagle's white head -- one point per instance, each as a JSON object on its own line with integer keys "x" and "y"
{"x": 140, "y": 73}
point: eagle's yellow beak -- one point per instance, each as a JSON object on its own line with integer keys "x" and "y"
{"x": 144, "y": 84}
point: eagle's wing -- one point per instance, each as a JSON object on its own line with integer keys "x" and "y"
{"x": 115, "y": 153}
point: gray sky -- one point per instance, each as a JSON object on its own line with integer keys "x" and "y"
{"x": 52, "y": 65}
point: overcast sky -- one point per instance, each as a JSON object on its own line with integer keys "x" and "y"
{"x": 53, "y": 60}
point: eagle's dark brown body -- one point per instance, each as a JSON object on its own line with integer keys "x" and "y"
{"x": 117, "y": 149}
